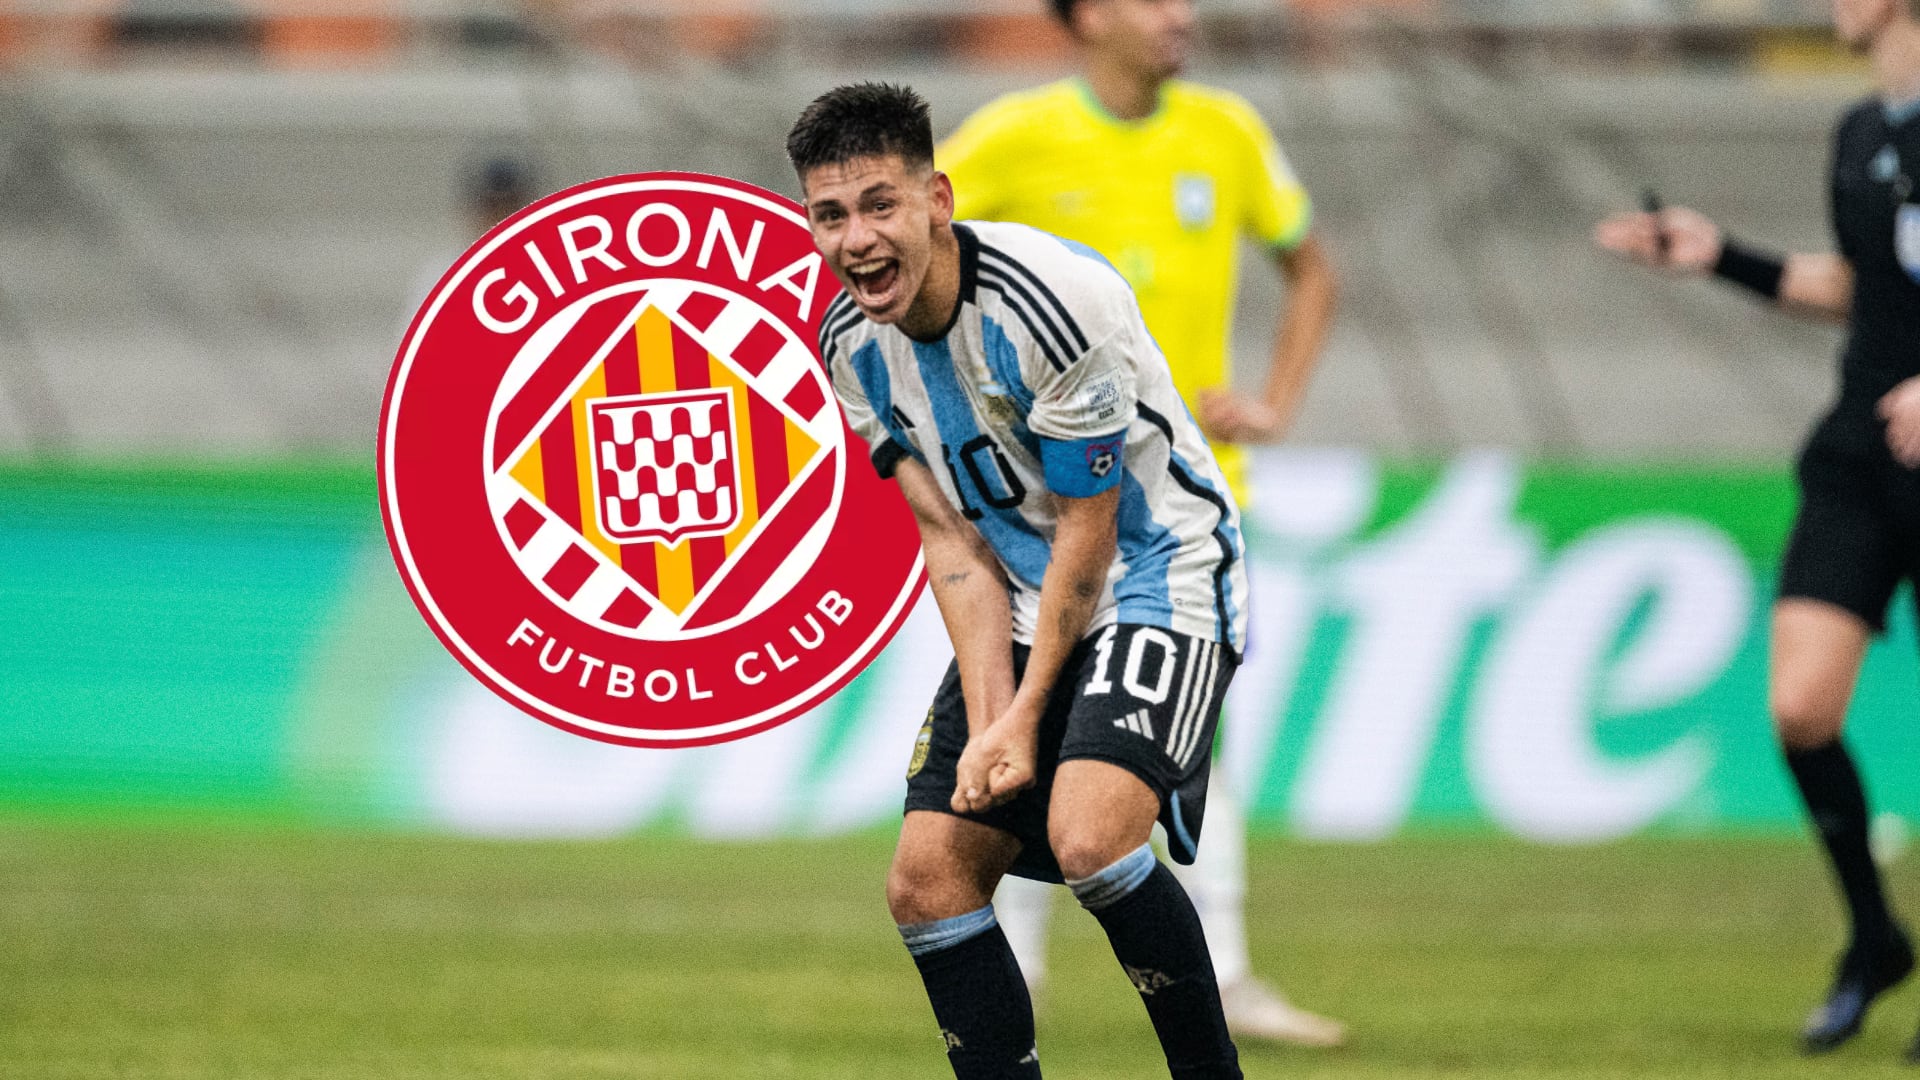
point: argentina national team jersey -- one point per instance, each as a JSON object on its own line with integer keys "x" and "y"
{"x": 1048, "y": 381}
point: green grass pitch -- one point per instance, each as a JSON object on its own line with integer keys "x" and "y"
{"x": 188, "y": 952}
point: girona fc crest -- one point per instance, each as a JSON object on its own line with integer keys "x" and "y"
{"x": 614, "y": 478}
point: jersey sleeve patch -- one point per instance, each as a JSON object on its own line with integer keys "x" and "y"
{"x": 1096, "y": 395}
{"x": 1079, "y": 468}
{"x": 1099, "y": 398}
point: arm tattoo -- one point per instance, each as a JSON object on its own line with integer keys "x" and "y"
{"x": 955, "y": 578}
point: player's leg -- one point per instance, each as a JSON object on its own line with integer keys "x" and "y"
{"x": 1906, "y": 494}
{"x": 1913, "y": 578}
{"x": 1141, "y": 722}
{"x": 1816, "y": 650}
{"x": 1101, "y": 818}
{"x": 1836, "y": 578}
{"x": 939, "y": 890}
{"x": 1217, "y": 882}
{"x": 1816, "y": 653}
{"x": 1025, "y": 907}
{"x": 945, "y": 866}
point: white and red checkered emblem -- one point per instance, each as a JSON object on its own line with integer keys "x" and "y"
{"x": 614, "y": 478}
{"x": 664, "y": 465}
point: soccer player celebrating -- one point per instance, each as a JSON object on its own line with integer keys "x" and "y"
{"x": 1164, "y": 178}
{"x": 1858, "y": 530}
{"x": 1086, "y": 557}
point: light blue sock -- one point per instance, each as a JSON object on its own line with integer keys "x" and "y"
{"x": 926, "y": 937}
{"x": 1108, "y": 887}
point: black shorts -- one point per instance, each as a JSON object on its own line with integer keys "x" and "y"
{"x": 1140, "y": 697}
{"x": 1857, "y": 533}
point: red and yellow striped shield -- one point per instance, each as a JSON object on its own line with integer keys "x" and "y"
{"x": 726, "y": 445}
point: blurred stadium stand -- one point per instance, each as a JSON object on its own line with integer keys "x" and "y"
{"x": 213, "y": 212}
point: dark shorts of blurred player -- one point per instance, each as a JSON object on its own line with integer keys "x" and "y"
{"x": 1857, "y": 533}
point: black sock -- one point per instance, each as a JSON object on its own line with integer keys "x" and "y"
{"x": 1156, "y": 936}
{"x": 1837, "y": 803}
{"x": 978, "y": 996}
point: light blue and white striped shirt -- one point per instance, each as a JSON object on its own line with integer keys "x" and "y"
{"x": 1048, "y": 381}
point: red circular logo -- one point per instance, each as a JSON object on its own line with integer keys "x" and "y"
{"x": 614, "y": 475}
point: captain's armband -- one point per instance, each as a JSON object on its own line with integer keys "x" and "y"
{"x": 1081, "y": 468}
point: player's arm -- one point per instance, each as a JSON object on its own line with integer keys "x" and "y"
{"x": 1686, "y": 242}
{"x": 1279, "y": 216}
{"x": 999, "y": 763}
{"x": 1085, "y": 539}
{"x": 967, "y": 579}
{"x": 1300, "y": 337}
{"x": 1299, "y": 340}
{"x": 1081, "y": 414}
{"x": 971, "y": 589}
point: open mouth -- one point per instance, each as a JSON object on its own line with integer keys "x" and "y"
{"x": 873, "y": 281}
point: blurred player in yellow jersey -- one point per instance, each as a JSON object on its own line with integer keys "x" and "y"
{"x": 1164, "y": 178}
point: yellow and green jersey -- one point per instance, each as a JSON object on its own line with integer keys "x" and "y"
{"x": 1164, "y": 198}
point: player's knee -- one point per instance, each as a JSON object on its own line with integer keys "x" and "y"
{"x": 1083, "y": 851}
{"x": 920, "y": 890}
{"x": 1805, "y": 730}
{"x": 908, "y": 893}
{"x": 1805, "y": 717}
{"x": 1099, "y": 813}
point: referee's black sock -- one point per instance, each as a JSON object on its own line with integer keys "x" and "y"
{"x": 1838, "y": 806}
{"x": 1156, "y": 935}
{"x": 978, "y": 996}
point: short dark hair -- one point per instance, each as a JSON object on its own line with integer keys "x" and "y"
{"x": 862, "y": 120}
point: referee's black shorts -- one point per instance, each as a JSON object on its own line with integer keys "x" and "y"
{"x": 1857, "y": 533}
{"x": 1140, "y": 697}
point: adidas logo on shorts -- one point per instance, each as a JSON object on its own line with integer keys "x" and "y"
{"x": 1137, "y": 722}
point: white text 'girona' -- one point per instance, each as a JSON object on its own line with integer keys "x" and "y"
{"x": 589, "y": 248}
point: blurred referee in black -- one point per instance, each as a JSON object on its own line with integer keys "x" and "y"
{"x": 1858, "y": 529}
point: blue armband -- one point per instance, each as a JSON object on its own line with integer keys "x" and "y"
{"x": 1078, "y": 468}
